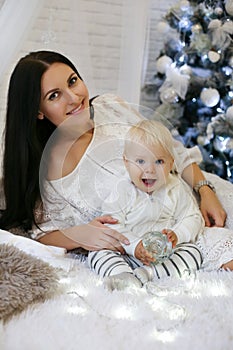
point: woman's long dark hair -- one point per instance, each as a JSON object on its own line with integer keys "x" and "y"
{"x": 25, "y": 138}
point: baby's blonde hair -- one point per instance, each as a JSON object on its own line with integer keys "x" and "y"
{"x": 151, "y": 132}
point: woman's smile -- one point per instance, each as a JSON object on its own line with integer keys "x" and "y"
{"x": 77, "y": 110}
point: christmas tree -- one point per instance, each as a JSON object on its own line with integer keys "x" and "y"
{"x": 193, "y": 85}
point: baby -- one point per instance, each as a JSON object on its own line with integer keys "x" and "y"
{"x": 151, "y": 198}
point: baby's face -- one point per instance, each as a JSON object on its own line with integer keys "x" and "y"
{"x": 148, "y": 166}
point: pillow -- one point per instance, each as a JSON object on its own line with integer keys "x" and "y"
{"x": 24, "y": 280}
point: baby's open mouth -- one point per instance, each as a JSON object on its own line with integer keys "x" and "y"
{"x": 149, "y": 182}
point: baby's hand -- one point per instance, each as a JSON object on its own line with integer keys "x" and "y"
{"x": 142, "y": 254}
{"x": 171, "y": 236}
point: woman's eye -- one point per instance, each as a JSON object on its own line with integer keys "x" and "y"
{"x": 140, "y": 161}
{"x": 53, "y": 96}
{"x": 73, "y": 80}
{"x": 159, "y": 161}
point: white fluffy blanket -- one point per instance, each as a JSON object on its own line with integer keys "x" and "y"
{"x": 190, "y": 313}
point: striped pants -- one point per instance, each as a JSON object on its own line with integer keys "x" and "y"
{"x": 186, "y": 257}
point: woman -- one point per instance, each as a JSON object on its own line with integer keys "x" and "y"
{"x": 46, "y": 93}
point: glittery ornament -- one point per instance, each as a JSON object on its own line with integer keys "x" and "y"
{"x": 169, "y": 95}
{"x": 163, "y": 63}
{"x": 210, "y": 97}
{"x": 218, "y": 11}
{"x": 229, "y": 7}
{"x": 163, "y": 27}
{"x": 157, "y": 244}
{"x": 185, "y": 69}
{"x": 229, "y": 113}
{"x": 196, "y": 28}
{"x": 213, "y": 56}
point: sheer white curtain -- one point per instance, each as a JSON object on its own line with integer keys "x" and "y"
{"x": 16, "y": 17}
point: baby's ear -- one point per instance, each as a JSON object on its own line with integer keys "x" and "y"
{"x": 40, "y": 115}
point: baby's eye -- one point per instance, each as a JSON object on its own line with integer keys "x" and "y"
{"x": 53, "y": 95}
{"x": 140, "y": 161}
{"x": 73, "y": 80}
{"x": 159, "y": 161}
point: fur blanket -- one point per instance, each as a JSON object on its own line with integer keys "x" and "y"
{"x": 75, "y": 311}
{"x": 23, "y": 280}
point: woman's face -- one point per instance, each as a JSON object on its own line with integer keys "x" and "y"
{"x": 63, "y": 94}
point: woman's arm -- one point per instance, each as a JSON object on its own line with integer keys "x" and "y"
{"x": 58, "y": 239}
{"x": 210, "y": 206}
{"x": 92, "y": 236}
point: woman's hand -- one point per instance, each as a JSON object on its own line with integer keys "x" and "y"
{"x": 97, "y": 236}
{"x": 143, "y": 255}
{"x": 211, "y": 208}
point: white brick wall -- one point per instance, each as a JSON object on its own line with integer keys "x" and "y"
{"x": 70, "y": 34}
{"x": 76, "y": 26}
{"x": 62, "y": 21}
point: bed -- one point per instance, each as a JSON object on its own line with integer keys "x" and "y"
{"x": 51, "y": 300}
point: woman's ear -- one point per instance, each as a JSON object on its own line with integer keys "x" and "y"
{"x": 40, "y": 115}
